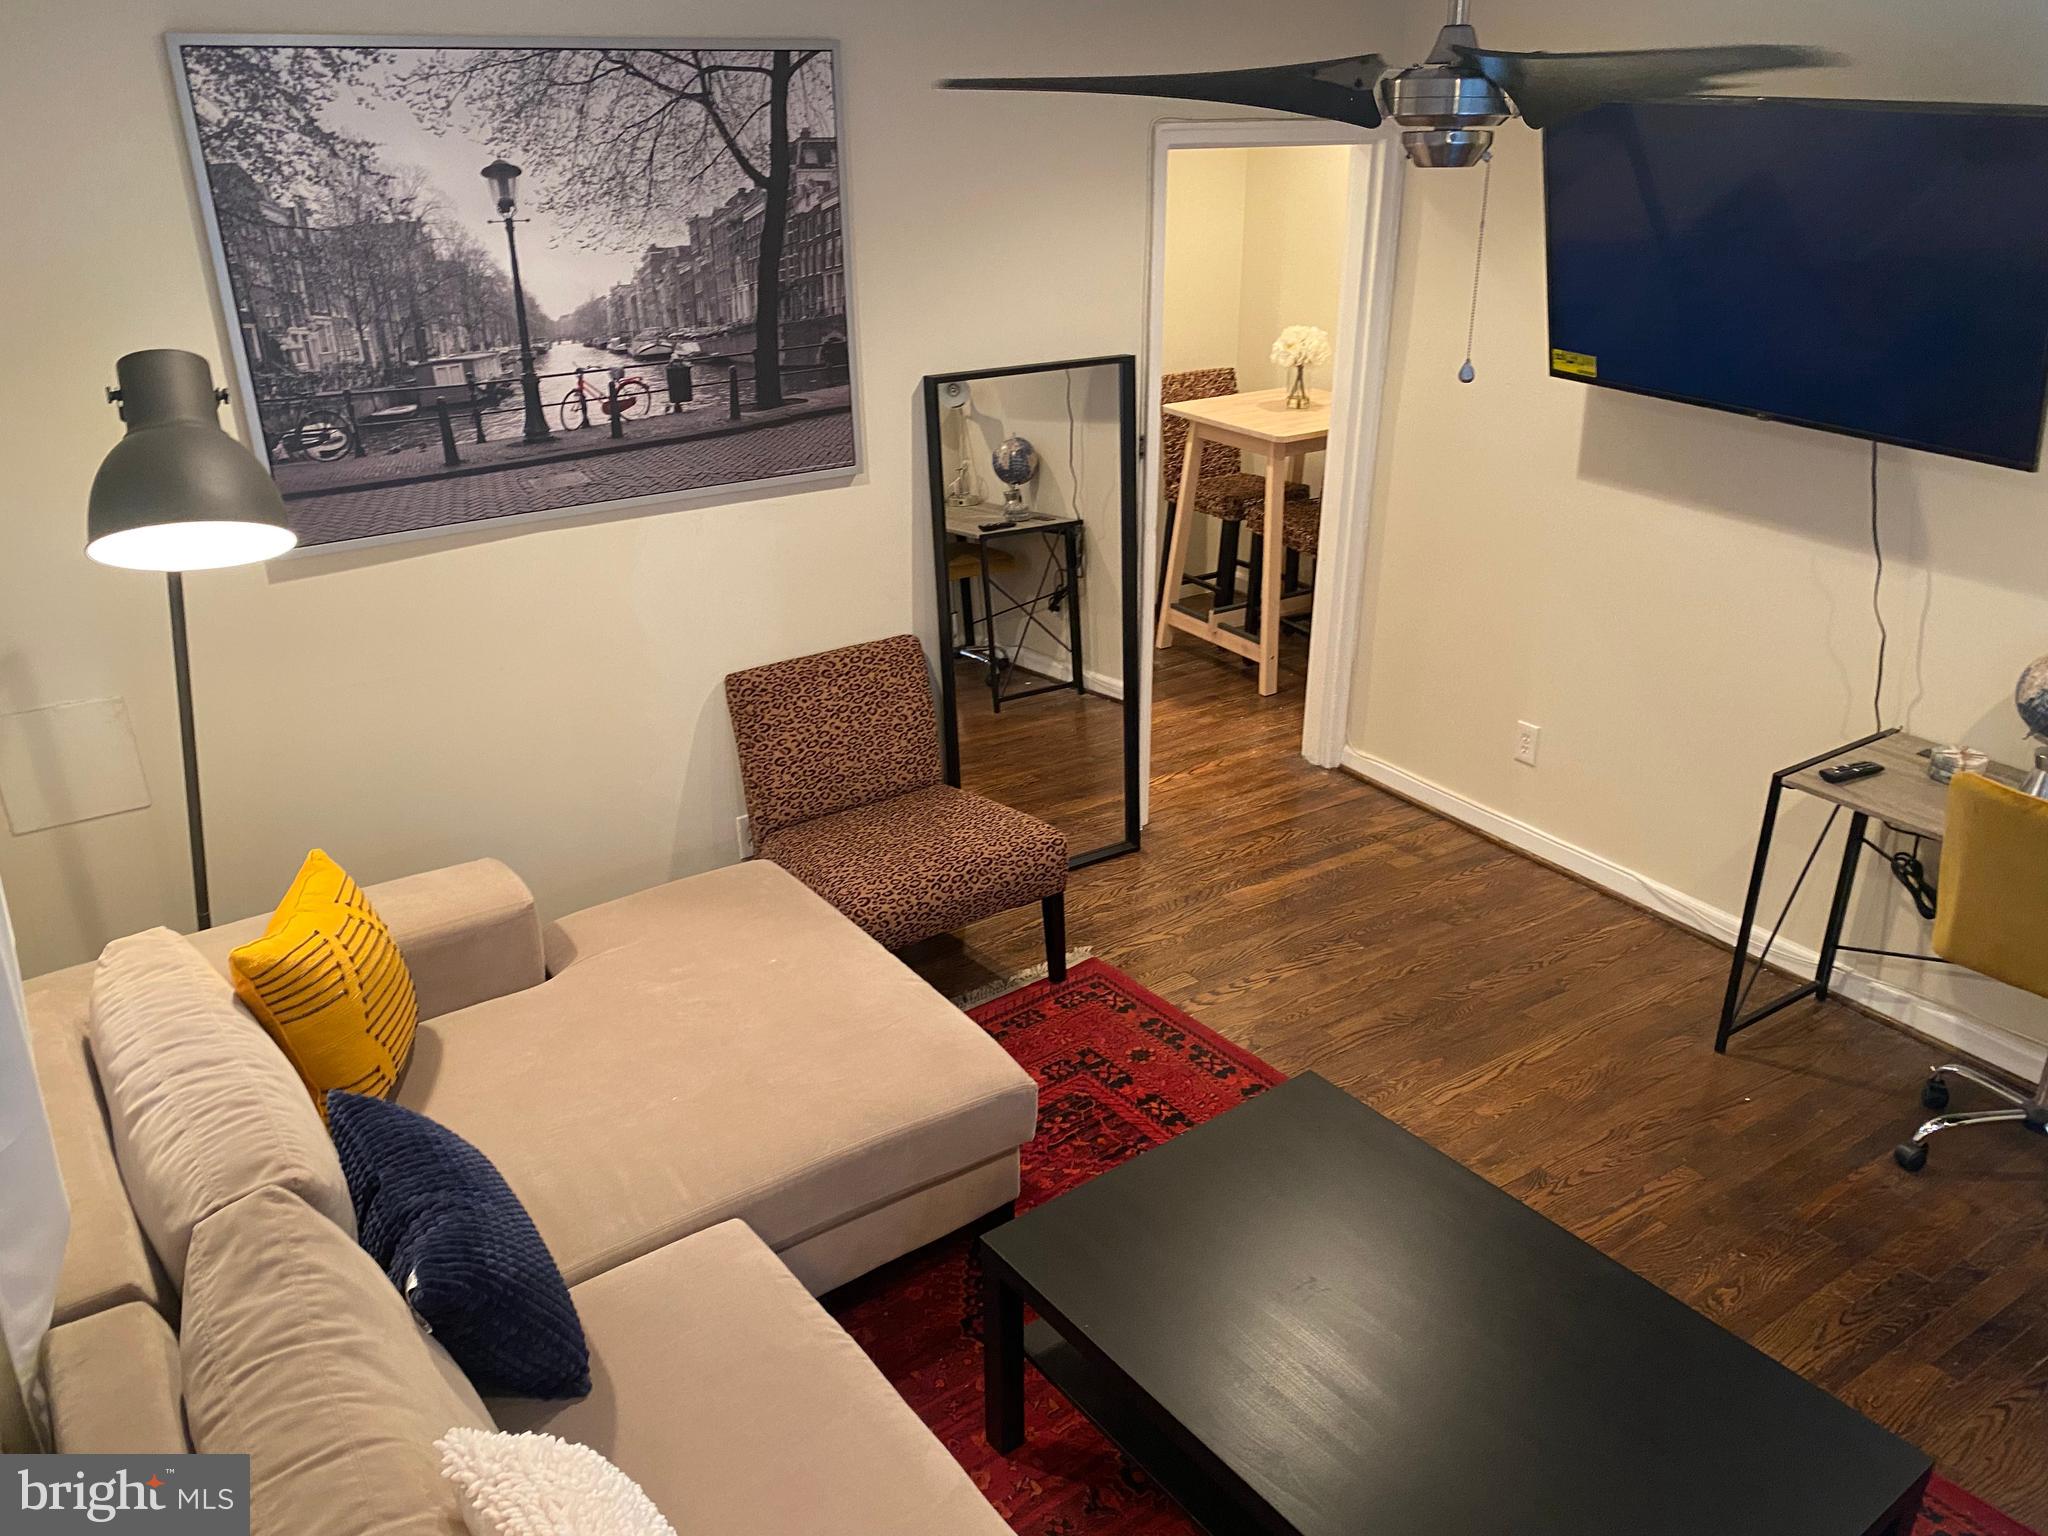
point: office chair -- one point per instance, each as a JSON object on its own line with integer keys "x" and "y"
{"x": 1991, "y": 915}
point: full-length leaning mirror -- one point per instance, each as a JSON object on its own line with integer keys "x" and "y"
{"x": 1034, "y": 495}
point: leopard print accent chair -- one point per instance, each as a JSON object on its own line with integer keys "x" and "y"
{"x": 839, "y": 755}
{"x": 826, "y": 733}
{"x": 1224, "y": 491}
{"x": 924, "y": 863}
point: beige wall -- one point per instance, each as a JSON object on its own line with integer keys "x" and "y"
{"x": 552, "y": 696}
{"x": 1680, "y": 599}
{"x": 1254, "y": 243}
{"x": 1294, "y": 228}
{"x": 1204, "y": 259}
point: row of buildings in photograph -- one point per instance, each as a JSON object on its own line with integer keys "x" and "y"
{"x": 707, "y": 286}
{"x": 324, "y": 303}
{"x": 349, "y": 300}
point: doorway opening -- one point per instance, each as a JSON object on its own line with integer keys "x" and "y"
{"x": 1271, "y": 240}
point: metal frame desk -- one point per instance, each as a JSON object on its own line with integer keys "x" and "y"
{"x": 1059, "y": 582}
{"x": 1902, "y": 798}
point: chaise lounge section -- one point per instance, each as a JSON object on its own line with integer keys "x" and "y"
{"x": 717, "y": 1099}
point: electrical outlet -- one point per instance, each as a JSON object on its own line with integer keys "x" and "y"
{"x": 1526, "y": 737}
{"x": 745, "y": 833}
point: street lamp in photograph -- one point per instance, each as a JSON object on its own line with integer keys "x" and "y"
{"x": 503, "y": 177}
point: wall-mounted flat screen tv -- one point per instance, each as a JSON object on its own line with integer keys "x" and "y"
{"x": 1873, "y": 268}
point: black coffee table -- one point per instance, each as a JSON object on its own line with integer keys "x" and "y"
{"x": 1300, "y": 1318}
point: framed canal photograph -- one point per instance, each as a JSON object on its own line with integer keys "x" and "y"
{"x": 471, "y": 280}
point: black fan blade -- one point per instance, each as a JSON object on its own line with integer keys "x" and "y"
{"x": 1338, "y": 89}
{"x": 1547, "y": 88}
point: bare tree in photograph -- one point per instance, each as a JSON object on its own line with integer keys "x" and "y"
{"x": 624, "y": 137}
{"x": 262, "y": 108}
{"x": 368, "y": 219}
{"x": 395, "y": 356}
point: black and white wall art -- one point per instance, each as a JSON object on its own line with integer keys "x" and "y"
{"x": 468, "y": 282}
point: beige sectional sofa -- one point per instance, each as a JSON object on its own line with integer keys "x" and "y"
{"x": 717, "y": 1099}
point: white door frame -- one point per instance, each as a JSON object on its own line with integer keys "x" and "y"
{"x": 1358, "y": 387}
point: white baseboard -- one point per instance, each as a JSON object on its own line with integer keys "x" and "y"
{"x": 1056, "y": 665}
{"x": 1973, "y": 1037}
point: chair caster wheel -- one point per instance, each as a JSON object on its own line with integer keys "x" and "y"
{"x": 1934, "y": 1093}
{"x": 1910, "y": 1156}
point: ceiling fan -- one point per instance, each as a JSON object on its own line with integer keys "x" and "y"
{"x": 1452, "y": 101}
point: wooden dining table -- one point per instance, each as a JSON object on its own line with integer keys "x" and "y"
{"x": 1258, "y": 422}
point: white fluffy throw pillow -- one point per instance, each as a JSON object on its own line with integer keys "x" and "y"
{"x": 538, "y": 1485}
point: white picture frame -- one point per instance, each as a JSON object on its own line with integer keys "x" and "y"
{"x": 350, "y": 305}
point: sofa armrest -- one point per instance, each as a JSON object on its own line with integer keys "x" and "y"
{"x": 469, "y": 933}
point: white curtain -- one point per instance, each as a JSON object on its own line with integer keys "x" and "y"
{"x": 35, "y": 1219}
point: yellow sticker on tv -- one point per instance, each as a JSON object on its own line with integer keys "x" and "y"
{"x": 1578, "y": 364}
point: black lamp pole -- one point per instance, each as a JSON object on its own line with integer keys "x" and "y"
{"x": 188, "y": 741}
{"x": 502, "y": 175}
{"x": 179, "y": 494}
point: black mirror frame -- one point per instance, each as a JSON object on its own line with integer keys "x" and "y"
{"x": 1126, "y": 366}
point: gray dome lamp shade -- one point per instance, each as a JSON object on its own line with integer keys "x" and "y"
{"x": 178, "y": 493}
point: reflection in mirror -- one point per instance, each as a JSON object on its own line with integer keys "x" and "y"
{"x": 1033, "y": 473}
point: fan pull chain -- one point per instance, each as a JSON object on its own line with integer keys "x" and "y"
{"x": 1468, "y": 373}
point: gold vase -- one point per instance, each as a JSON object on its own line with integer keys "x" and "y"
{"x": 1297, "y": 389}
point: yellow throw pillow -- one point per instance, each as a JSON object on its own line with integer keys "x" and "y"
{"x": 327, "y": 980}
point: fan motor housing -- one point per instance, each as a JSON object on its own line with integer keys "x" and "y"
{"x": 1450, "y": 113}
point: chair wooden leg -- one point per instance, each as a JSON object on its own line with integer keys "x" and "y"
{"x": 1255, "y": 586}
{"x": 1054, "y": 911}
{"x": 1177, "y": 551}
{"x": 1269, "y": 578}
{"x": 1226, "y": 566}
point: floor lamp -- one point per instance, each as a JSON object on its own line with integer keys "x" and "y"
{"x": 179, "y": 494}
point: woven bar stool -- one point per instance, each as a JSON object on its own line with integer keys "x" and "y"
{"x": 1300, "y": 534}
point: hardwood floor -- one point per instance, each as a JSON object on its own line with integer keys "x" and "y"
{"x": 1559, "y": 1042}
{"x": 1058, "y": 755}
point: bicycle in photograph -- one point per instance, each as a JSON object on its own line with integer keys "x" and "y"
{"x": 316, "y": 433}
{"x": 582, "y": 403}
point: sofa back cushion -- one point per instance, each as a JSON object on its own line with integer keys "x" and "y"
{"x": 829, "y": 732}
{"x": 202, "y": 1105}
{"x": 298, "y": 1351}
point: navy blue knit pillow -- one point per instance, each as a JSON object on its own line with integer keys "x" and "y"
{"x": 461, "y": 1249}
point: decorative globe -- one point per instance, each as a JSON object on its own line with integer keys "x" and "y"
{"x": 2031, "y": 697}
{"x": 1015, "y": 461}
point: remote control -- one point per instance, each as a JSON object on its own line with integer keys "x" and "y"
{"x": 1843, "y": 773}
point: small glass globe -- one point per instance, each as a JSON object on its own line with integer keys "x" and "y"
{"x": 2031, "y": 698}
{"x": 1015, "y": 461}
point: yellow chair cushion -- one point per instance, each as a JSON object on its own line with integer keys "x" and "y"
{"x": 1991, "y": 911}
{"x": 327, "y": 980}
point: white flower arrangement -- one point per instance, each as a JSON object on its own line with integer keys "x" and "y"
{"x": 1301, "y": 346}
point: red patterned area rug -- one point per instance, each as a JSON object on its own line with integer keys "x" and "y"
{"x": 1118, "y": 1071}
